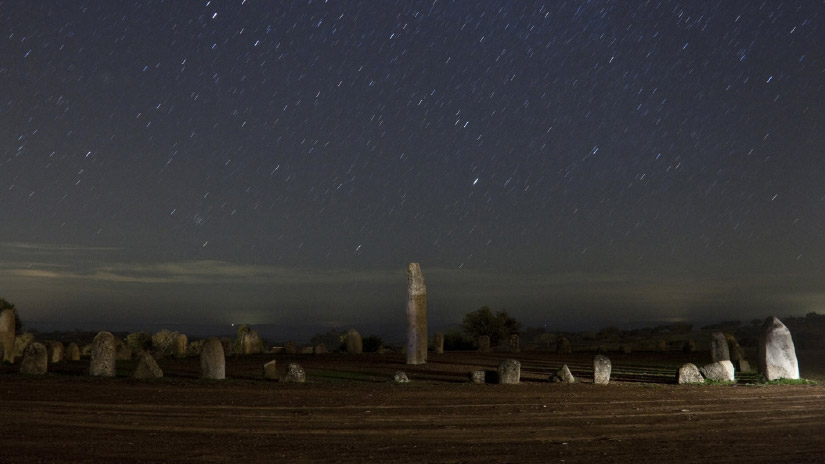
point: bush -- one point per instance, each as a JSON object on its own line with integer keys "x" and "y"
{"x": 18, "y": 324}
{"x": 371, "y": 343}
{"x": 456, "y": 341}
{"x": 21, "y": 342}
{"x": 249, "y": 337}
{"x": 482, "y": 322}
{"x": 139, "y": 341}
{"x": 164, "y": 342}
{"x": 334, "y": 340}
{"x": 195, "y": 348}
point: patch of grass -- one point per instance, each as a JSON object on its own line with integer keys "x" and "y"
{"x": 792, "y": 382}
{"x": 719, "y": 382}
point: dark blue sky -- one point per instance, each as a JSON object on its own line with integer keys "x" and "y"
{"x": 576, "y": 162}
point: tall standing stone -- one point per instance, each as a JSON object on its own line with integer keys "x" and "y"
{"x": 438, "y": 343}
{"x": 102, "y": 363}
{"x": 484, "y": 343}
{"x": 35, "y": 359}
{"x": 213, "y": 362}
{"x": 719, "y": 347}
{"x": 601, "y": 369}
{"x": 416, "y": 315}
{"x": 509, "y": 371}
{"x": 354, "y": 342}
{"x": 777, "y": 355}
{"x": 7, "y": 334}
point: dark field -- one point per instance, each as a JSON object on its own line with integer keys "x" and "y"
{"x": 349, "y": 411}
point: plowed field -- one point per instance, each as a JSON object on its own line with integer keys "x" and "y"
{"x": 350, "y": 411}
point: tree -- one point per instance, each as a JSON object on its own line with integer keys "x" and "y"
{"x": 497, "y": 326}
{"x": 18, "y": 324}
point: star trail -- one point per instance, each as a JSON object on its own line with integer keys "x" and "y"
{"x": 579, "y": 163}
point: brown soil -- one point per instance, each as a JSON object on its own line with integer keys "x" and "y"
{"x": 349, "y": 411}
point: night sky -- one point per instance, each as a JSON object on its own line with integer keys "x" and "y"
{"x": 578, "y": 163}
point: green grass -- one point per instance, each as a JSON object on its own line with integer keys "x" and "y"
{"x": 719, "y": 382}
{"x": 792, "y": 382}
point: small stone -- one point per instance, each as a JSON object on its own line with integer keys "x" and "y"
{"x": 35, "y": 359}
{"x": 227, "y": 345}
{"x": 354, "y": 342}
{"x": 563, "y": 376}
{"x": 294, "y": 373}
{"x": 509, "y": 372}
{"x": 689, "y": 346}
{"x": 122, "y": 350}
{"x": 689, "y": 373}
{"x": 147, "y": 367}
{"x": 720, "y": 371}
{"x": 181, "y": 346}
{"x": 271, "y": 370}
{"x": 251, "y": 342}
{"x": 290, "y": 348}
{"x": 513, "y": 343}
{"x": 742, "y": 365}
{"x": 400, "y": 377}
{"x": 625, "y": 348}
{"x": 484, "y": 343}
{"x": 73, "y": 352}
{"x": 777, "y": 355}
{"x": 102, "y": 363}
{"x": 563, "y": 346}
{"x": 438, "y": 343}
{"x": 478, "y": 376}
{"x": 661, "y": 345}
{"x": 601, "y": 369}
{"x": 719, "y": 347}
{"x": 56, "y": 352}
{"x": 213, "y": 361}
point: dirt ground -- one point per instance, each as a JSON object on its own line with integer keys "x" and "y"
{"x": 350, "y": 411}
